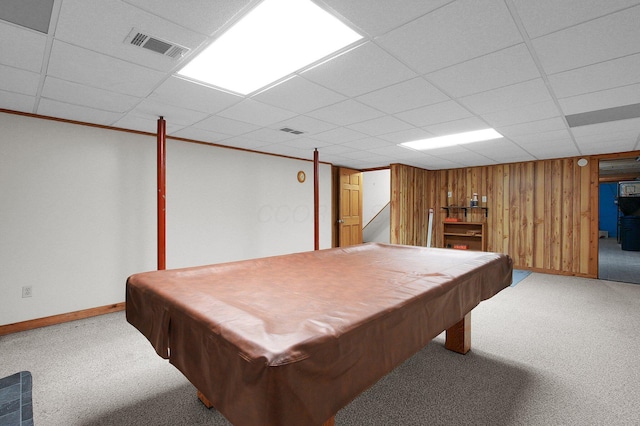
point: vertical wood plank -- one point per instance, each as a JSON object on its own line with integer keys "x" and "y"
{"x": 556, "y": 215}
{"x": 538, "y": 201}
{"x": 506, "y": 210}
{"x": 566, "y": 233}
{"x": 542, "y": 213}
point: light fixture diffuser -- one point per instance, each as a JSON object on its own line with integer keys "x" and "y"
{"x": 454, "y": 139}
{"x": 275, "y": 39}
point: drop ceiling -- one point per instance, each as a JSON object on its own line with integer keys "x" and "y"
{"x": 424, "y": 68}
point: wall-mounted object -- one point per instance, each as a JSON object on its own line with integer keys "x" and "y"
{"x": 470, "y": 235}
{"x": 301, "y": 176}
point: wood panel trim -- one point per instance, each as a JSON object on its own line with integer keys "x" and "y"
{"x": 139, "y": 132}
{"x": 544, "y": 214}
{"x": 61, "y": 318}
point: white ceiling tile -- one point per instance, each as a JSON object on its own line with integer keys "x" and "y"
{"x": 257, "y": 113}
{"x": 21, "y": 48}
{"x": 103, "y": 25}
{"x": 365, "y": 158}
{"x": 299, "y": 95}
{"x": 334, "y": 159}
{"x": 307, "y": 144}
{"x": 244, "y": 143}
{"x": 609, "y": 146}
{"x": 203, "y": 16}
{"x": 226, "y": 126}
{"x": 555, "y": 136}
{"x": 433, "y": 163}
{"x": 446, "y": 151}
{"x": 479, "y": 73}
{"x": 407, "y": 135}
{"x": 345, "y": 113}
{"x": 462, "y": 156}
{"x": 271, "y": 135}
{"x": 533, "y": 127}
{"x": 187, "y": 94}
{"x": 551, "y": 149}
{"x": 394, "y": 151}
{"x": 93, "y": 69}
{"x": 498, "y": 69}
{"x": 172, "y": 114}
{"x": 145, "y": 124}
{"x": 339, "y": 135}
{"x": 16, "y": 101}
{"x": 378, "y": 17}
{"x": 367, "y": 143}
{"x": 403, "y": 96}
{"x": 381, "y": 126}
{"x": 452, "y": 34}
{"x": 523, "y": 114}
{"x": 308, "y": 125}
{"x": 360, "y": 70}
{"x": 19, "y": 81}
{"x": 78, "y": 113}
{"x": 498, "y": 149}
{"x": 591, "y": 42}
{"x": 626, "y": 95}
{"x": 142, "y": 124}
{"x": 545, "y": 16}
{"x": 288, "y": 151}
{"x": 507, "y": 97}
{"x": 200, "y": 135}
{"x": 548, "y": 144}
{"x": 457, "y": 126}
{"x": 335, "y": 149}
{"x": 91, "y": 97}
{"x": 433, "y": 114}
{"x": 605, "y": 75}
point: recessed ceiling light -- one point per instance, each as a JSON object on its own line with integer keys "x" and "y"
{"x": 451, "y": 140}
{"x": 275, "y": 39}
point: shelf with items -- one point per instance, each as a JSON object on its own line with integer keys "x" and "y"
{"x": 466, "y": 209}
{"x": 464, "y": 235}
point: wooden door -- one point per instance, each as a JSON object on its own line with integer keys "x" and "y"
{"x": 350, "y": 208}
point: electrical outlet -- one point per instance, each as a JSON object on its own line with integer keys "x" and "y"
{"x": 449, "y": 194}
{"x": 484, "y": 198}
{"x": 26, "y": 291}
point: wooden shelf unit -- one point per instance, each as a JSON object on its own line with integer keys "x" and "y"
{"x": 470, "y": 234}
{"x": 453, "y": 209}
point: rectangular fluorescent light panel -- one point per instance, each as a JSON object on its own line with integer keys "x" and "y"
{"x": 275, "y": 39}
{"x": 451, "y": 140}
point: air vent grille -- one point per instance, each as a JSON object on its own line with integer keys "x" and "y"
{"x": 292, "y": 131}
{"x": 155, "y": 44}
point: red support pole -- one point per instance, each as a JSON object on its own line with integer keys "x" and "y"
{"x": 162, "y": 180}
{"x": 316, "y": 202}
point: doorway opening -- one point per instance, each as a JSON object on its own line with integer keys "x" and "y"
{"x": 618, "y": 256}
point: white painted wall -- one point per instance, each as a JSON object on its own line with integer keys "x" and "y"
{"x": 77, "y": 211}
{"x": 376, "y": 190}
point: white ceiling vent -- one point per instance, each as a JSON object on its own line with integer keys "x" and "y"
{"x": 163, "y": 47}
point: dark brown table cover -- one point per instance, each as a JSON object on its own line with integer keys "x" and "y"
{"x": 289, "y": 340}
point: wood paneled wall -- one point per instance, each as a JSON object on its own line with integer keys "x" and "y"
{"x": 542, "y": 213}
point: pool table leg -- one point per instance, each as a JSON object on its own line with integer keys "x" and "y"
{"x": 459, "y": 336}
{"x": 330, "y": 422}
{"x": 204, "y": 400}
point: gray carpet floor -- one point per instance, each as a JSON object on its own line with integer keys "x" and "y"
{"x": 615, "y": 264}
{"x": 552, "y": 350}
